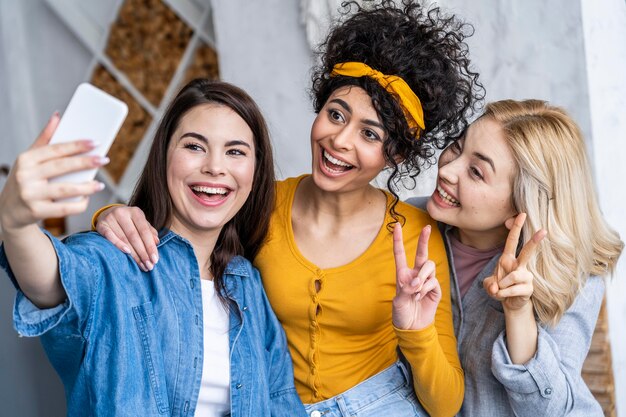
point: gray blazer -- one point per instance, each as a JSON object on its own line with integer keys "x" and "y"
{"x": 550, "y": 384}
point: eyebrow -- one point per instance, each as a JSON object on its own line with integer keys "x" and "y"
{"x": 347, "y": 107}
{"x": 234, "y": 142}
{"x": 486, "y": 159}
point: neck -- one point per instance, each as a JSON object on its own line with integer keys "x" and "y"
{"x": 203, "y": 243}
{"x": 483, "y": 239}
{"x": 317, "y": 203}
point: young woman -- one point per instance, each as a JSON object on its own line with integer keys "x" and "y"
{"x": 392, "y": 80}
{"x": 524, "y": 313}
{"x": 196, "y": 336}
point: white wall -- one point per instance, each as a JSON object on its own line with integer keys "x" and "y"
{"x": 262, "y": 48}
{"x": 605, "y": 47}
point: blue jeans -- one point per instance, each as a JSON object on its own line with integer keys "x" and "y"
{"x": 388, "y": 393}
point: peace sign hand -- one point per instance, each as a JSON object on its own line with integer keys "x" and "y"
{"x": 512, "y": 283}
{"x": 417, "y": 290}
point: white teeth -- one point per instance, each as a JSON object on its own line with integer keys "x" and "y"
{"x": 335, "y": 160}
{"x": 447, "y": 197}
{"x": 209, "y": 190}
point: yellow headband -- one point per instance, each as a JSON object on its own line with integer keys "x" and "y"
{"x": 392, "y": 83}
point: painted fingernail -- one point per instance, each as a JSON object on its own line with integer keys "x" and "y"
{"x": 154, "y": 258}
{"x": 415, "y": 282}
{"x": 102, "y": 160}
{"x": 149, "y": 265}
{"x": 99, "y": 186}
{"x": 143, "y": 267}
{"x": 126, "y": 249}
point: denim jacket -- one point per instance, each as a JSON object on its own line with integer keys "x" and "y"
{"x": 128, "y": 343}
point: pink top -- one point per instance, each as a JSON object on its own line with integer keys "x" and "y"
{"x": 468, "y": 261}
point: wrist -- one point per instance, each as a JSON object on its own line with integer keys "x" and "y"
{"x": 519, "y": 311}
{"x": 101, "y": 210}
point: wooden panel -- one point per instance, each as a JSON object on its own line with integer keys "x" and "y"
{"x": 203, "y": 65}
{"x": 132, "y": 130}
{"x": 147, "y": 42}
{"x": 597, "y": 369}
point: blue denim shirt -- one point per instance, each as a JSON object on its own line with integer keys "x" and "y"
{"x": 128, "y": 343}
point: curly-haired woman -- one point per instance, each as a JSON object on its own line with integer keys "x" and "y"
{"x": 394, "y": 83}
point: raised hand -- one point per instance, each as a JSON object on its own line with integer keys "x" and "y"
{"x": 512, "y": 283}
{"x": 128, "y": 229}
{"x": 28, "y": 195}
{"x": 417, "y": 290}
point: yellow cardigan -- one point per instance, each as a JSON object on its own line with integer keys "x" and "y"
{"x": 343, "y": 334}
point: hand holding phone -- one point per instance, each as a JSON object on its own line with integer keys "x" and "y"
{"x": 91, "y": 114}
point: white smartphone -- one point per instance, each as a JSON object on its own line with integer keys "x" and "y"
{"x": 91, "y": 114}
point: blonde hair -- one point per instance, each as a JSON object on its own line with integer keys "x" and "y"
{"x": 553, "y": 185}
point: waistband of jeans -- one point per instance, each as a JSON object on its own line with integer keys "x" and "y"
{"x": 391, "y": 378}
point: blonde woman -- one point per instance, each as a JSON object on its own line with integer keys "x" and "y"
{"x": 524, "y": 309}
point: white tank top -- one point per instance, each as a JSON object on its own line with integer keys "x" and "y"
{"x": 214, "y": 396}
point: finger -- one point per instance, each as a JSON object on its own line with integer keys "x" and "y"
{"x": 110, "y": 235}
{"x": 490, "y": 284}
{"x": 56, "y": 167}
{"x": 530, "y": 248}
{"x": 114, "y": 234}
{"x": 427, "y": 270}
{"x": 48, "y": 209}
{"x": 62, "y": 150}
{"x": 521, "y": 290}
{"x": 43, "y": 191}
{"x": 499, "y": 272}
{"x": 431, "y": 288}
{"x": 512, "y": 240}
{"x": 47, "y": 132}
{"x": 509, "y": 222}
{"x": 398, "y": 248}
{"x": 412, "y": 286}
{"x": 129, "y": 229}
{"x": 146, "y": 233}
{"x": 519, "y": 276}
{"x": 421, "y": 255}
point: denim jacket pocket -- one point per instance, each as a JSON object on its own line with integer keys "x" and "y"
{"x": 144, "y": 317}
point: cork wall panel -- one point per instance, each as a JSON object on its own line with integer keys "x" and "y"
{"x": 147, "y": 42}
{"x": 133, "y": 129}
{"x": 203, "y": 65}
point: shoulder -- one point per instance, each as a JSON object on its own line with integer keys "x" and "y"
{"x": 284, "y": 187}
{"x": 242, "y": 279}
{"x": 242, "y": 268}
{"x": 415, "y": 217}
{"x": 92, "y": 242}
{"x": 419, "y": 202}
{"x": 590, "y": 296}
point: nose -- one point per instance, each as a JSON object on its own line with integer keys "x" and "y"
{"x": 214, "y": 164}
{"x": 343, "y": 140}
{"x": 449, "y": 169}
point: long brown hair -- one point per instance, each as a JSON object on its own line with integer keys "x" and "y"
{"x": 245, "y": 232}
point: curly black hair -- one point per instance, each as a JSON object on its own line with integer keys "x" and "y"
{"x": 427, "y": 49}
